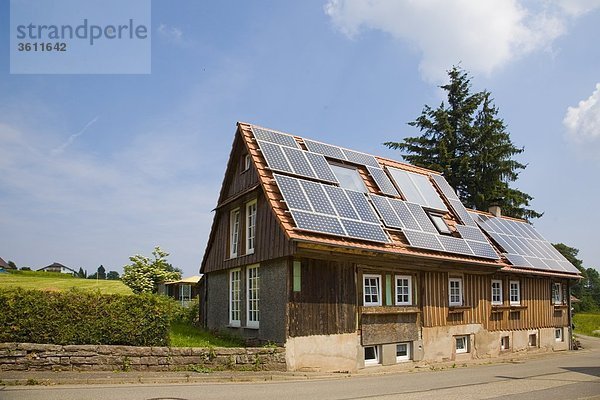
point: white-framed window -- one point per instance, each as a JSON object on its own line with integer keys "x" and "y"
{"x": 371, "y": 290}
{"x": 403, "y": 290}
{"x": 247, "y": 162}
{"x": 252, "y": 296}
{"x": 462, "y": 344}
{"x": 496, "y": 292}
{"x": 557, "y": 293}
{"x": 455, "y": 291}
{"x": 250, "y": 226}
{"x": 185, "y": 294}
{"x": 234, "y": 232}
{"x": 402, "y": 352}
{"x": 558, "y": 334}
{"x": 348, "y": 177}
{"x": 235, "y": 297}
{"x": 504, "y": 343}
{"x": 439, "y": 223}
{"x": 515, "y": 293}
{"x": 371, "y": 355}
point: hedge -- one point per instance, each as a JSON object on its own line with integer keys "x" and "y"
{"x": 84, "y": 317}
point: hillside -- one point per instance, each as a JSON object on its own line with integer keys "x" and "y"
{"x": 57, "y": 281}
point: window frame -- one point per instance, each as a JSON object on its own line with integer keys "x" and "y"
{"x": 251, "y": 239}
{"x": 451, "y": 303}
{"x": 378, "y": 287}
{"x": 235, "y": 301}
{"x": 500, "y": 294}
{"x": 358, "y": 184}
{"x": 409, "y": 302}
{"x": 504, "y": 343}
{"x": 439, "y": 223}
{"x": 253, "y": 302}
{"x": 408, "y": 355}
{"x": 557, "y": 300}
{"x": 516, "y": 302}
{"x": 463, "y": 338}
{"x": 247, "y": 162}
{"x": 560, "y": 331}
{"x": 372, "y": 361}
{"x": 234, "y": 232}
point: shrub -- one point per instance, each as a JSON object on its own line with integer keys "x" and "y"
{"x": 83, "y": 317}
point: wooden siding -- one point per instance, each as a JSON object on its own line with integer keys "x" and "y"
{"x": 326, "y": 302}
{"x": 271, "y": 242}
{"x": 535, "y": 310}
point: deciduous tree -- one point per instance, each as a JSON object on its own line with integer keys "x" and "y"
{"x": 144, "y": 274}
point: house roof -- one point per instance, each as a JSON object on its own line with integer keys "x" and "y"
{"x": 57, "y": 265}
{"x": 191, "y": 279}
{"x": 397, "y": 240}
{"x": 3, "y": 264}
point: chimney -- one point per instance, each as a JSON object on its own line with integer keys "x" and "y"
{"x": 495, "y": 210}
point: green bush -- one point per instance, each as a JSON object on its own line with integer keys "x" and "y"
{"x": 84, "y": 317}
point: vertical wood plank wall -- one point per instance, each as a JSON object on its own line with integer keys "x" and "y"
{"x": 536, "y": 310}
{"x": 326, "y": 302}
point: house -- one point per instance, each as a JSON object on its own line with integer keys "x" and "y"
{"x": 184, "y": 290}
{"x": 57, "y": 267}
{"x": 351, "y": 260}
{"x": 4, "y": 264}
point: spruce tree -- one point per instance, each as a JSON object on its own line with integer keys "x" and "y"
{"x": 466, "y": 141}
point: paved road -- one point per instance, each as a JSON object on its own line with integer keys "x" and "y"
{"x": 574, "y": 375}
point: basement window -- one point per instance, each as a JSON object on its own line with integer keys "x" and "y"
{"x": 462, "y": 344}
{"x": 532, "y": 342}
{"x": 402, "y": 352}
{"x": 558, "y": 334}
{"x": 439, "y": 223}
{"x": 504, "y": 343}
{"x": 371, "y": 355}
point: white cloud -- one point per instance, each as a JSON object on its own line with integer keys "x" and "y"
{"x": 583, "y": 121}
{"x": 170, "y": 33}
{"x": 483, "y": 35}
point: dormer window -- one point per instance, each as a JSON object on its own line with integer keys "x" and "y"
{"x": 440, "y": 223}
{"x": 348, "y": 177}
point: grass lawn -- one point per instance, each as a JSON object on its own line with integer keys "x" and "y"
{"x": 587, "y": 323}
{"x": 58, "y": 281}
{"x": 184, "y": 335}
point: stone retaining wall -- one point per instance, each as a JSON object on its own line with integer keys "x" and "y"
{"x": 35, "y": 357}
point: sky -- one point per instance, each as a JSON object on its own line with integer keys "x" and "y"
{"x": 97, "y": 167}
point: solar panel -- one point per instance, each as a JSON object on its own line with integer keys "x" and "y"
{"x": 523, "y": 246}
{"x": 386, "y": 212}
{"x": 462, "y": 213}
{"x": 317, "y": 197}
{"x": 298, "y": 161}
{"x": 471, "y": 233}
{"x": 362, "y": 206}
{"x": 324, "y": 149}
{"x": 292, "y": 192}
{"x": 274, "y": 137}
{"x": 275, "y": 157}
{"x": 360, "y": 158}
{"x": 423, "y": 240}
{"x": 417, "y": 188}
{"x": 321, "y": 167}
{"x": 318, "y": 223}
{"x": 340, "y": 202}
{"x": 445, "y": 187}
{"x": 422, "y": 218}
{"x": 483, "y": 249}
{"x": 404, "y": 214}
{"x": 383, "y": 182}
{"x": 430, "y": 195}
{"x": 455, "y": 245}
{"x": 364, "y": 230}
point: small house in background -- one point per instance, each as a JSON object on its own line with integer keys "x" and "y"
{"x": 184, "y": 290}
{"x": 57, "y": 267}
{"x": 4, "y": 264}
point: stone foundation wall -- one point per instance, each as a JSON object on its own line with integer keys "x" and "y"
{"x": 31, "y": 357}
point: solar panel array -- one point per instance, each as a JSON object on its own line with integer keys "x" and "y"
{"x": 420, "y": 231}
{"x": 268, "y": 135}
{"x": 340, "y": 153}
{"x": 522, "y": 245}
{"x": 383, "y": 182}
{"x": 295, "y": 161}
{"x": 321, "y": 208}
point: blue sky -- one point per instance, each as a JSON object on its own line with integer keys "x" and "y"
{"x": 95, "y": 168}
